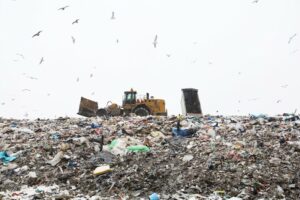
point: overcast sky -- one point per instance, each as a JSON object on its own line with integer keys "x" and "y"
{"x": 235, "y": 52}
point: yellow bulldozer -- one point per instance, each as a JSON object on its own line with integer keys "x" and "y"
{"x": 131, "y": 104}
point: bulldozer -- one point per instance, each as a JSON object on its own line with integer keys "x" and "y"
{"x": 143, "y": 106}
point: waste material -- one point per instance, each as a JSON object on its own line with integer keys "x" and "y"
{"x": 102, "y": 170}
{"x": 5, "y": 158}
{"x": 138, "y": 148}
{"x": 56, "y": 159}
{"x": 95, "y": 125}
{"x": 226, "y": 157}
{"x": 154, "y": 196}
{"x": 182, "y": 132}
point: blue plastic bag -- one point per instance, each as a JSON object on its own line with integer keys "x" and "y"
{"x": 181, "y": 132}
{"x": 5, "y": 158}
{"x": 154, "y": 196}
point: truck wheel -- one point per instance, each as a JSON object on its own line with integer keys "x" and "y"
{"x": 101, "y": 112}
{"x": 141, "y": 111}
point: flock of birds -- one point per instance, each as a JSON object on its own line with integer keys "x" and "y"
{"x": 155, "y": 43}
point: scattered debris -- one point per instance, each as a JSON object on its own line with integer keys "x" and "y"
{"x": 234, "y": 157}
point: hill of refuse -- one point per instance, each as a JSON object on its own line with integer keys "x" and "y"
{"x": 232, "y": 157}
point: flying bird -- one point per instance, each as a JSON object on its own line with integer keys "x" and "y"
{"x": 113, "y": 16}
{"x": 77, "y": 79}
{"x": 26, "y": 90}
{"x": 255, "y": 1}
{"x": 278, "y": 101}
{"x": 63, "y": 8}
{"x": 42, "y": 60}
{"x": 33, "y": 78}
{"x": 295, "y": 51}
{"x": 117, "y": 41}
{"x": 292, "y": 37}
{"x": 18, "y": 54}
{"x": 253, "y": 99}
{"x": 155, "y": 41}
{"x": 168, "y": 55}
{"x": 73, "y": 39}
{"x": 91, "y": 75}
{"x": 48, "y": 94}
{"x": 75, "y": 22}
{"x": 13, "y": 99}
{"x": 93, "y": 93}
{"x": 37, "y": 34}
{"x": 3, "y": 103}
{"x": 284, "y": 86}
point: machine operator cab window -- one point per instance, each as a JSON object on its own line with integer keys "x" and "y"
{"x": 129, "y": 98}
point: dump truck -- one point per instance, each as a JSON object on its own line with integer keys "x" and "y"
{"x": 141, "y": 106}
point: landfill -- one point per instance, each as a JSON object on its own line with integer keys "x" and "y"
{"x": 132, "y": 157}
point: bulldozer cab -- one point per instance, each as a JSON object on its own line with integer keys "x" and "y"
{"x": 129, "y": 97}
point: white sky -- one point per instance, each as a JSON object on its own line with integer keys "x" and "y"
{"x": 231, "y": 51}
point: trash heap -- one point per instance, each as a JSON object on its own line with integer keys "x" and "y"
{"x": 234, "y": 157}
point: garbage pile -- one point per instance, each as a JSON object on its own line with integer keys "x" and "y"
{"x": 211, "y": 157}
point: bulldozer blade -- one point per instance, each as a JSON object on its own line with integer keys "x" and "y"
{"x": 87, "y": 108}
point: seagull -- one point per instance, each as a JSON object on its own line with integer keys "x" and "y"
{"x": 18, "y": 54}
{"x": 253, "y": 99}
{"x": 33, "y": 78}
{"x": 278, "y": 101}
{"x": 93, "y": 93}
{"x": 73, "y": 39}
{"x": 117, "y": 41}
{"x": 210, "y": 63}
{"x": 113, "y": 16}
{"x": 48, "y": 94}
{"x": 255, "y": 1}
{"x": 37, "y": 34}
{"x": 168, "y": 55}
{"x": 26, "y": 115}
{"x": 63, "y": 8}
{"x": 26, "y": 90}
{"x": 292, "y": 37}
{"x": 77, "y": 79}
{"x": 13, "y": 99}
{"x": 295, "y": 51}
{"x": 284, "y": 86}
{"x": 3, "y": 103}
{"x": 155, "y": 41}
{"x": 91, "y": 75}
{"x": 42, "y": 60}
{"x": 295, "y": 111}
{"x": 75, "y": 22}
